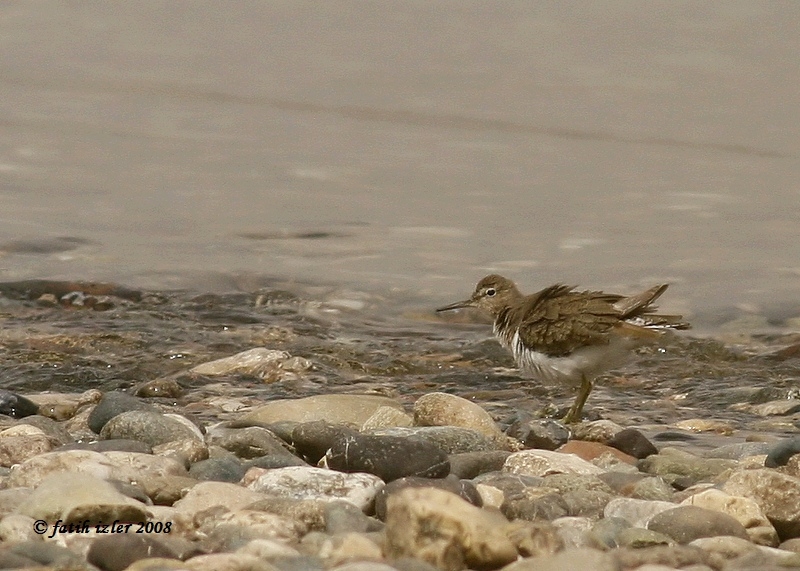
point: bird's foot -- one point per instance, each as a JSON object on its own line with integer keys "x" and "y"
{"x": 572, "y": 416}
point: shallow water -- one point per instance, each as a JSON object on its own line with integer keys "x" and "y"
{"x": 142, "y": 336}
{"x": 406, "y": 150}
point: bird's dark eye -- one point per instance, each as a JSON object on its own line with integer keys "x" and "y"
{"x": 491, "y": 292}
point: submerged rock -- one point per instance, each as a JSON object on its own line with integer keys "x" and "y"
{"x": 258, "y": 362}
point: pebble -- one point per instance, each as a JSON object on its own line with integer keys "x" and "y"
{"x": 15, "y": 528}
{"x": 780, "y": 453}
{"x": 739, "y": 450}
{"x": 633, "y": 443}
{"x": 792, "y": 467}
{"x": 117, "y": 552}
{"x": 242, "y": 525}
{"x": 224, "y": 469}
{"x": 309, "y": 513}
{"x": 239, "y": 493}
{"x": 546, "y": 434}
{"x": 689, "y": 522}
{"x": 706, "y": 425}
{"x": 388, "y": 457}
{"x": 636, "y": 512}
{"x": 463, "y": 489}
{"x": 47, "y": 553}
{"x": 544, "y": 462}
{"x": 313, "y": 439}
{"x": 226, "y": 562}
{"x": 353, "y": 410}
{"x": 186, "y": 451}
{"x": 684, "y": 469}
{"x": 152, "y": 428}
{"x": 124, "y": 466}
{"x": 580, "y": 558}
{"x": 250, "y": 442}
{"x": 16, "y": 406}
{"x": 471, "y": 464}
{"x": 55, "y": 431}
{"x": 21, "y": 442}
{"x": 112, "y": 445}
{"x": 605, "y": 532}
{"x": 317, "y": 483}
{"x": 205, "y": 495}
{"x": 466, "y": 536}
{"x": 111, "y": 404}
{"x": 340, "y": 517}
{"x": 638, "y": 538}
{"x": 78, "y": 497}
{"x": 257, "y": 362}
{"x": 596, "y": 431}
{"x": 387, "y": 417}
{"x": 443, "y": 409}
{"x": 592, "y": 450}
{"x": 778, "y": 496}
{"x": 745, "y": 510}
{"x": 534, "y": 539}
{"x": 164, "y": 388}
{"x": 347, "y": 546}
{"x": 783, "y": 407}
{"x": 450, "y": 439}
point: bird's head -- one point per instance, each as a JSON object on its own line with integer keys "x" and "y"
{"x": 492, "y": 294}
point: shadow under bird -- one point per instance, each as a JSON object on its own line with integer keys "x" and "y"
{"x": 567, "y": 336}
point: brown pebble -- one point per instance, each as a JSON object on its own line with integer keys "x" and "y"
{"x": 160, "y": 388}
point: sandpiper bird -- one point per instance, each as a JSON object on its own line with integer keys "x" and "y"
{"x": 562, "y": 335}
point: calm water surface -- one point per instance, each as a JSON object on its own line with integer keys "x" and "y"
{"x": 406, "y": 148}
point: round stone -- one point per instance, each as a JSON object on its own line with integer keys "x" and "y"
{"x": 110, "y": 405}
{"x": 150, "y": 427}
{"x": 687, "y": 523}
{"x": 388, "y": 457}
{"x": 632, "y": 442}
{"x": 16, "y": 406}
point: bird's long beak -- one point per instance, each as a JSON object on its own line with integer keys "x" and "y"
{"x": 457, "y": 305}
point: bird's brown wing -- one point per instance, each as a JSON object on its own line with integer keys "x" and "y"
{"x": 558, "y": 320}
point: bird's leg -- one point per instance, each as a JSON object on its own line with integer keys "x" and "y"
{"x": 574, "y": 413}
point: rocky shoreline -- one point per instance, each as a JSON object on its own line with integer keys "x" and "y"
{"x": 352, "y": 482}
{"x": 138, "y": 435}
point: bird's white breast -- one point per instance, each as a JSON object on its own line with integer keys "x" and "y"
{"x": 587, "y": 361}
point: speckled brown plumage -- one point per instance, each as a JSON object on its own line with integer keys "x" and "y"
{"x": 566, "y": 335}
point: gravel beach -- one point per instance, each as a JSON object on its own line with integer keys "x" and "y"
{"x": 266, "y": 431}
